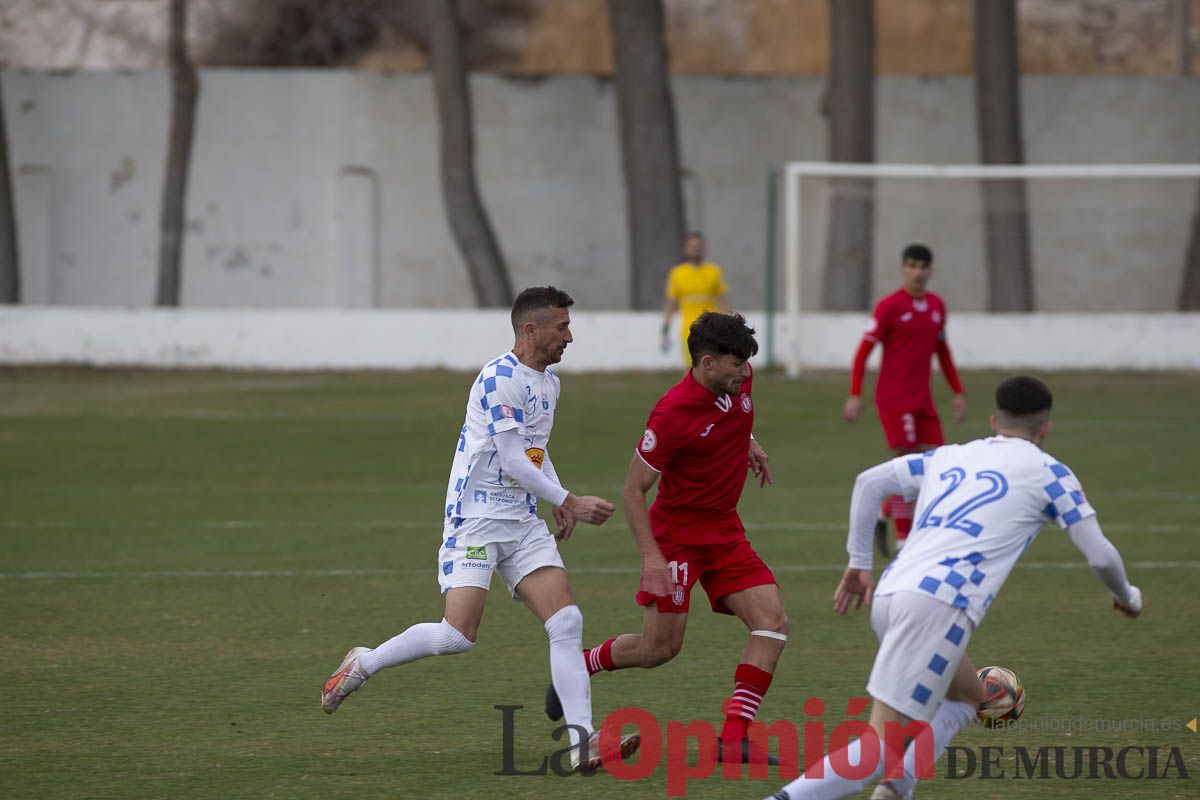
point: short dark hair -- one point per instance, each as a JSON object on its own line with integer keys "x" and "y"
{"x": 717, "y": 334}
{"x": 536, "y": 298}
{"x": 1023, "y": 396}
{"x": 917, "y": 252}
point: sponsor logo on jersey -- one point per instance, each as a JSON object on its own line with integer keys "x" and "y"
{"x": 677, "y": 597}
{"x": 724, "y": 402}
{"x": 506, "y": 411}
{"x": 535, "y": 454}
{"x": 747, "y": 405}
{"x": 481, "y": 496}
{"x": 937, "y": 316}
{"x": 906, "y": 316}
{"x": 477, "y": 553}
{"x": 649, "y": 441}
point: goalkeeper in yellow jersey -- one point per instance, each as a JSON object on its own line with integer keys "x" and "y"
{"x": 693, "y": 286}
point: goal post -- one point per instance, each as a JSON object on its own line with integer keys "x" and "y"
{"x": 1083, "y": 219}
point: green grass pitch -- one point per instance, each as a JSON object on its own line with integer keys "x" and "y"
{"x": 185, "y": 556}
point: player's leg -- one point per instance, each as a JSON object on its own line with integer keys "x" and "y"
{"x": 954, "y": 714}
{"x": 465, "y": 573}
{"x": 547, "y": 594}
{"x": 759, "y": 607}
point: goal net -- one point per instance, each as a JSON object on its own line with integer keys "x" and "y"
{"x": 1047, "y": 238}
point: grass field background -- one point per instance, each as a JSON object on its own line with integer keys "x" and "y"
{"x": 184, "y": 557}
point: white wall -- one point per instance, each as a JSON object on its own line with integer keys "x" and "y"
{"x": 319, "y": 188}
{"x": 604, "y": 340}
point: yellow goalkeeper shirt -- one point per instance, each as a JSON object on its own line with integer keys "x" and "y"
{"x": 696, "y": 289}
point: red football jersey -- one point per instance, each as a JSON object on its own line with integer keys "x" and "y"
{"x": 700, "y": 443}
{"x": 909, "y": 328}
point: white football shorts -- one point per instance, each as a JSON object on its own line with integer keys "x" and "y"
{"x": 480, "y": 546}
{"x": 921, "y": 641}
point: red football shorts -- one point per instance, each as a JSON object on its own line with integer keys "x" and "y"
{"x": 907, "y": 429}
{"x": 721, "y": 569}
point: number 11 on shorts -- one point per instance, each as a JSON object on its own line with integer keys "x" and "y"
{"x": 677, "y": 570}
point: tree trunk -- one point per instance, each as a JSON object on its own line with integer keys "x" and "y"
{"x": 649, "y": 147}
{"x": 460, "y": 193}
{"x": 998, "y": 114}
{"x": 10, "y": 264}
{"x": 1189, "y": 293}
{"x": 850, "y": 106}
{"x": 185, "y": 88}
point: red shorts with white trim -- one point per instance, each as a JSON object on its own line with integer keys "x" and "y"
{"x": 721, "y": 569}
{"x": 909, "y": 428}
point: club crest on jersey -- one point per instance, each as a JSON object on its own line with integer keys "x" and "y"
{"x": 545, "y": 403}
{"x": 649, "y": 441}
{"x": 537, "y": 455}
{"x": 677, "y": 597}
{"x": 724, "y": 402}
{"x": 937, "y": 316}
{"x": 747, "y": 405}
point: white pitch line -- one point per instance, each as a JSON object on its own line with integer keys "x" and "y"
{"x": 355, "y": 573}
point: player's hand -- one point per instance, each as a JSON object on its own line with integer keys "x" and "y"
{"x": 856, "y": 584}
{"x": 852, "y": 408}
{"x": 565, "y": 521}
{"x": 960, "y": 407}
{"x": 656, "y": 578}
{"x": 758, "y": 464}
{"x": 1132, "y": 606}
{"x": 590, "y": 509}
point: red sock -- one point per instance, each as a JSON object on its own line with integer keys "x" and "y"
{"x": 749, "y": 685}
{"x": 600, "y": 658}
{"x": 902, "y": 516}
{"x": 885, "y": 510}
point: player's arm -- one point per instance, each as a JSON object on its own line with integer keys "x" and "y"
{"x": 564, "y": 520}
{"x": 852, "y": 408}
{"x": 870, "y": 488}
{"x": 1106, "y": 563}
{"x": 510, "y": 447}
{"x": 946, "y": 362}
{"x": 638, "y": 482}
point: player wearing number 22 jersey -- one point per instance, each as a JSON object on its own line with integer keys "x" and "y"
{"x": 979, "y": 507}
{"x": 697, "y": 446}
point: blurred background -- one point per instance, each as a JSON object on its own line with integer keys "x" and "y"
{"x": 443, "y": 154}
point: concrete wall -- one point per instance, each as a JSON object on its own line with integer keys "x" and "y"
{"x": 319, "y": 189}
{"x": 604, "y": 340}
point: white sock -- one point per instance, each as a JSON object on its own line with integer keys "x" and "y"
{"x": 568, "y": 673}
{"x": 420, "y": 641}
{"x": 830, "y": 785}
{"x": 950, "y": 719}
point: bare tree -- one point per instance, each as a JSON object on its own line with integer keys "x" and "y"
{"x": 998, "y": 115}
{"x": 1189, "y": 292}
{"x": 850, "y": 106}
{"x": 649, "y": 147}
{"x": 460, "y": 192}
{"x": 10, "y": 265}
{"x": 185, "y": 89}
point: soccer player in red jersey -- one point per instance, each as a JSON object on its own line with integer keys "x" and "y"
{"x": 910, "y": 323}
{"x": 697, "y": 446}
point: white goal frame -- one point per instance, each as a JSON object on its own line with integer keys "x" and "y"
{"x": 795, "y": 171}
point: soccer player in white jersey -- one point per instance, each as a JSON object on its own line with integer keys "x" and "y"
{"x": 501, "y": 469}
{"x": 979, "y": 506}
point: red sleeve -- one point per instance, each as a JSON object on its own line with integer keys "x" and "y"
{"x": 663, "y": 437}
{"x": 860, "y": 366}
{"x": 948, "y": 368}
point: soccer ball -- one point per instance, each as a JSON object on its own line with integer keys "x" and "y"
{"x": 1003, "y": 696}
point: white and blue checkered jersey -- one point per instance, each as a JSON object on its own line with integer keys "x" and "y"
{"x": 506, "y": 395}
{"x": 979, "y": 507}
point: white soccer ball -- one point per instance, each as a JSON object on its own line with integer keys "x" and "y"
{"x": 1003, "y": 696}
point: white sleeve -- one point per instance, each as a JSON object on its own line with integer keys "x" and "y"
{"x": 870, "y": 487}
{"x": 548, "y": 468}
{"x": 510, "y": 445}
{"x": 1102, "y": 557}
